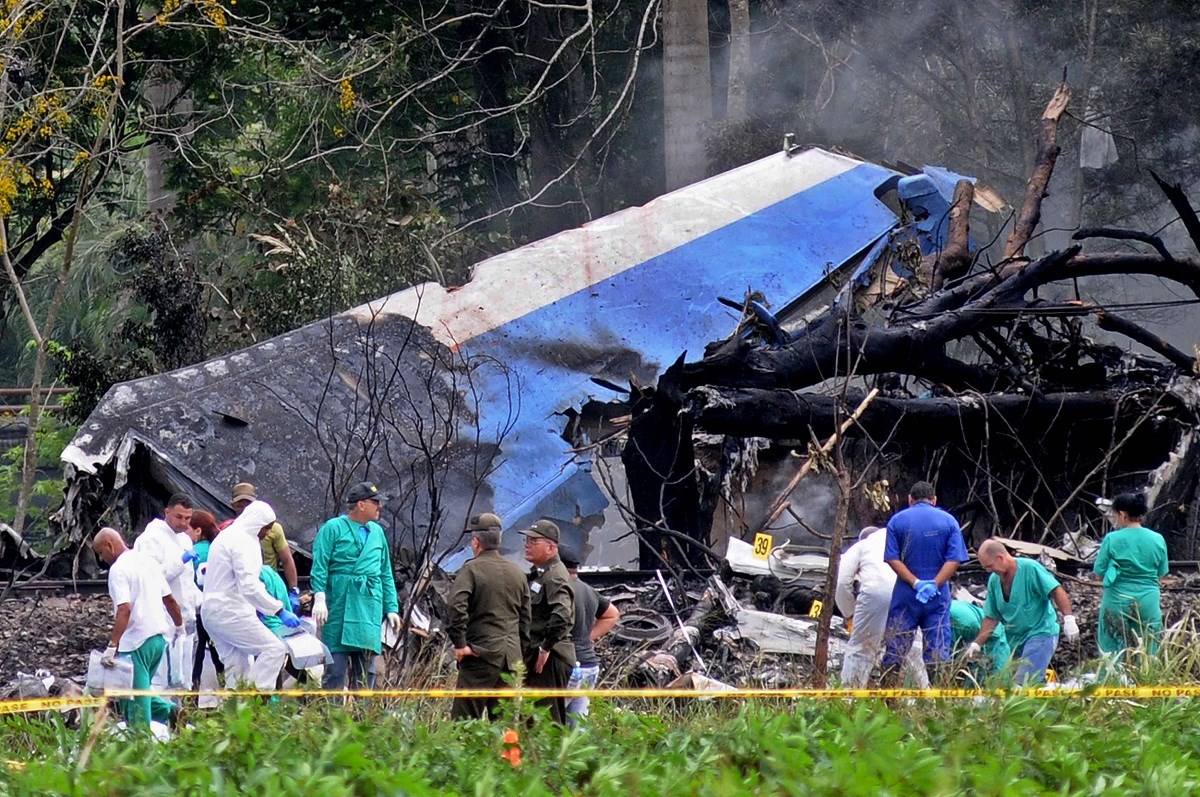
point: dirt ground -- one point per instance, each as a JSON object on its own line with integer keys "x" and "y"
{"x": 52, "y": 632}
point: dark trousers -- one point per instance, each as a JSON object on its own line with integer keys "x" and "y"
{"x": 353, "y": 668}
{"x": 555, "y": 675}
{"x": 475, "y": 673}
{"x": 204, "y": 645}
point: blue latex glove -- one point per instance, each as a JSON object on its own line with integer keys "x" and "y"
{"x": 189, "y": 556}
{"x": 926, "y": 591}
{"x": 289, "y": 618}
{"x": 294, "y": 599}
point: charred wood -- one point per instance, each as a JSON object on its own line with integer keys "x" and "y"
{"x": 1155, "y": 343}
{"x": 783, "y": 414}
{"x": 1179, "y": 201}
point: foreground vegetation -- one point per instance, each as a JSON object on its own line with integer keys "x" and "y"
{"x": 1012, "y": 747}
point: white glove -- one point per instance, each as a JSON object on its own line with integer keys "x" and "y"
{"x": 393, "y": 620}
{"x": 1070, "y": 628}
{"x": 179, "y": 633}
{"x": 972, "y": 651}
{"x": 320, "y": 612}
{"x": 109, "y": 657}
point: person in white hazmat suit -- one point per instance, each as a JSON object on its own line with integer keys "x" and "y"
{"x": 867, "y": 612}
{"x": 233, "y": 593}
{"x": 166, "y": 540}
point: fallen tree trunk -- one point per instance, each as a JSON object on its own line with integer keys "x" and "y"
{"x": 788, "y": 415}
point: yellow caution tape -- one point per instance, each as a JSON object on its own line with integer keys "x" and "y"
{"x": 49, "y": 704}
{"x": 1094, "y": 692}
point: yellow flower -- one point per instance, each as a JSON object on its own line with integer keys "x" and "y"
{"x": 212, "y": 10}
{"x": 346, "y": 96}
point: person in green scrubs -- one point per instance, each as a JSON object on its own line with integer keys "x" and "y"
{"x": 278, "y": 590}
{"x": 1131, "y": 560}
{"x": 966, "y": 619}
{"x": 353, "y": 589}
{"x": 1023, "y": 594}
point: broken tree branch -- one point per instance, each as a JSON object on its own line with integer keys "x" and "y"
{"x": 1179, "y": 201}
{"x": 953, "y": 260}
{"x": 1035, "y": 189}
{"x": 1112, "y": 322}
{"x": 1117, "y": 234}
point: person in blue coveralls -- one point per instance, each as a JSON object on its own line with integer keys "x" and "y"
{"x": 925, "y": 547}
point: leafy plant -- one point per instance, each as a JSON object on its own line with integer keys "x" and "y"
{"x": 1015, "y": 746}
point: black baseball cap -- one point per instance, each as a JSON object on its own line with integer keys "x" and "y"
{"x": 364, "y": 491}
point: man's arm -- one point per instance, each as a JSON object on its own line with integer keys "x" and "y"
{"x": 287, "y": 564}
{"x": 847, "y": 570}
{"x": 902, "y": 572}
{"x": 946, "y": 573}
{"x": 322, "y": 548}
{"x": 605, "y": 622}
{"x": 173, "y": 609}
{"x": 251, "y": 586}
{"x": 525, "y": 619}
{"x": 561, "y": 624}
{"x": 391, "y": 602}
{"x": 120, "y": 623}
{"x": 1062, "y": 601}
{"x": 458, "y": 605}
{"x": 171, "y": 557}
{"x": 985, "y": 630}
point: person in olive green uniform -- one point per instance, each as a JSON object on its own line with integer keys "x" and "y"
{"x": 550, "y": 656}
{"x": 489, "y": 618}
{"x": 966, "y": 619}
{"x": 353, "y": 589}
{"x": 1131, "y": 560}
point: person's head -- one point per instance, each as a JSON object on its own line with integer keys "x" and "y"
{"x": 867, "y": 532}
{"x": 108, "y": 545}
{"x": 363, "y": 502}
{"x": 995, "y": 558}
{"x": 205, "y": 525}
{"x": 1128, "y": 509}
{"x": 541, "y": 542}
{"x": 178, "y": 513}
{"x": 256, "y": 517}
{"x": 243, "y": 494}
{"x": 921, "y": 491}
{"x": 485, "y": 531}
{"x": 570, "y": 561}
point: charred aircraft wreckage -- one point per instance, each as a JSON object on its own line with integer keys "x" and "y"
{"x": 593, "y": 378}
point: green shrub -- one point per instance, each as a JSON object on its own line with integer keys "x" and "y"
{"x": 1016, "y": 746}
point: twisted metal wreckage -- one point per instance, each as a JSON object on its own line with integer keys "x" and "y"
{"x": 839, "y": 277}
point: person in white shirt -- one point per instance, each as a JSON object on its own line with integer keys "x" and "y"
{"x": 167, "y": 540}
{"x": 867, "y": 611}
{"x": 233, "y": 593}
{"x": 146, "y": 616}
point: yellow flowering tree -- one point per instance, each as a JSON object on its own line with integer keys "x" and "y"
{"x": 73, "y": 105}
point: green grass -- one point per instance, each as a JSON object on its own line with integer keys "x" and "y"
{"x": 1012, "y": 747}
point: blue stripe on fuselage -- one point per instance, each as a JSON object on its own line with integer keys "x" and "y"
{"x": 643, "y": 318}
